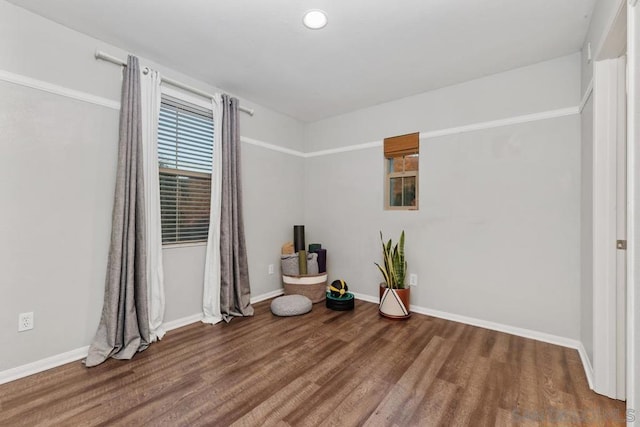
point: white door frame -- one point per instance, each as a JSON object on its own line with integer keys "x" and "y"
{"x": 633, "y": 232}
{"x": 609, "y": 101}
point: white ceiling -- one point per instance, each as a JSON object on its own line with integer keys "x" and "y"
{"x": 372, "y": 51}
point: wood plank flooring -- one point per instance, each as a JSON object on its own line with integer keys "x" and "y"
{"x": 324, "y": 368}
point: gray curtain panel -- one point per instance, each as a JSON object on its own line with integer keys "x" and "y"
{"x": 124, "y": 325}
{"x": 235, "y": 291}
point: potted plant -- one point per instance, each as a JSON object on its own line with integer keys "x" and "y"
{"x": 394, "y": 296}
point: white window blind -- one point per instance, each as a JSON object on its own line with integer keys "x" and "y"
{"x": 185, "y": 156}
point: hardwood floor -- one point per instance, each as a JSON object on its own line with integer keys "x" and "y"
{"x": 326, "y": 367}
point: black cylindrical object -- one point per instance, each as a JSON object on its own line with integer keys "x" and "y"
{"x": 346, "y": 303}
{"x": 298, "y": 238}
{"x": 322, "y": 260}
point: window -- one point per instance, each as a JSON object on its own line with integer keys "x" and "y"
{"x": 185, "y": 154}
{"x": 401, "y": 155}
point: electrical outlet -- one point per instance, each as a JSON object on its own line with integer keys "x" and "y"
{"x": 271, "y": 269}
{"x": 25, "y": 321}
{"x": 413, "y": 280}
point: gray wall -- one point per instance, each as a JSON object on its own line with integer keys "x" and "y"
{"x": 57, "y": 173}
{"x": 545, "y": 86}
{"x": 496, "y": 238}
{"x": 497, "y": 234}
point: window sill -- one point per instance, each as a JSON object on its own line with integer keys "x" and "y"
{"x": 401, "y": 208}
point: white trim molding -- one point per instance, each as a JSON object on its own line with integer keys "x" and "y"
{"x": 367, "y": 298}
{"x": 75, "y": 355}
{"x": 586, "y": 364}
{"x": 544, "y": 115}
{"x": 266, "y": 296}
{"x": 364, "y": 146}
{"x": 494, "y": 326}
{"x": 80, "y": 353}
{"x": 21, "y": 80}
{"x": 43, "y": 365}
{"x": 500, "y": 327}
{"x": 269, "y": 146}
{"x": 184, "y": 321}
{"x": 585, "y": 97}
{"x": 97, "y": 100}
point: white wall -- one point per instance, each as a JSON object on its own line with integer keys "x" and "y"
{"x": 57, "y": 180}
{"x": 497, "y": 234}
{"x": 496, "y": 237}
{"x": 586, "y": 228}
{"x": 57, "y": 172}
{"x": 272, "y": 205}
{"x": 541, "y": 87}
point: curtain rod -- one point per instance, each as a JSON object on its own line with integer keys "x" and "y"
{"x": 106, "y": 57}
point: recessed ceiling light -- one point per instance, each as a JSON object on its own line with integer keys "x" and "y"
{"x": 315, "y": 19}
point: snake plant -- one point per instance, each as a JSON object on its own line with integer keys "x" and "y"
{"x": 395, "y": 266}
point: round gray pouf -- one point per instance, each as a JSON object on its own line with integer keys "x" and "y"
{"x": 291, "y": 305}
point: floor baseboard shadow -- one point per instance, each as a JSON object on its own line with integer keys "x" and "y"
{"x": 494, "y": 326}
{"x": 56, "y": 360}
{"x": 80, "y": 353}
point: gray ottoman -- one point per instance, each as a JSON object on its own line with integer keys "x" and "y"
{"x": 291, "y": 305}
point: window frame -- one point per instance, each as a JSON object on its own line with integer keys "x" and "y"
{"x": 387, "y": 188}
{"x": 389, "y": 175}
{"x": 204, "y": 103}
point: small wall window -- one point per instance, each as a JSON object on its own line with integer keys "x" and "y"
{"x": 401, "y": 155}
{"x": 185, "y": 152}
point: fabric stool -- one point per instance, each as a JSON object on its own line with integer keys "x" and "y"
{"x": 291, "y": 305}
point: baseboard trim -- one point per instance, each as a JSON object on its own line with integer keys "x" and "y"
{"x": 494, "y": 326}
{"x": 367, "y": 298}
{"x": 179, "y": 323}
{"x": 43, "y": 365}
{"x": 267, "y": 296}
{"x": 80, "y": 353}
{"x": 586, "y": 364}
{"x": 47, "y": 363}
